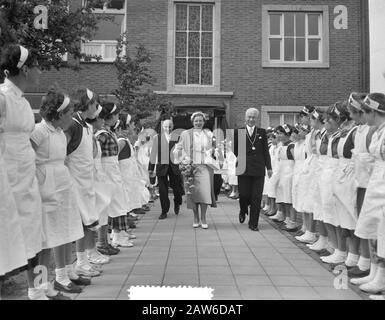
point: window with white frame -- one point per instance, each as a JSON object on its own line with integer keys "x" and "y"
{"x": 295, "y": 36}
{"x": 194, "y": 44}
{"x": 105, "y": 41}
{"x": 276, "y": 119}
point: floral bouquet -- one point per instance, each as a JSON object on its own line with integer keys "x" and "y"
{"x": 187, "y": 168}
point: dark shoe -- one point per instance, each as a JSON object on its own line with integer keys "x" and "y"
{"x": 253, "y": 228}
{"x": 133, "y": 219}
{"x": 114, "y": 251}
{"x": 146, "y": 208}
{"x": 59, "y": 296}
{"x": 104, "y": 250}
{"x": 271, "y": 213}
{"x": 82, "y": 281}
{"x": 242, "y": 217}
{"x": 323, "y": 253}
{"x": 71, "y": 288}
{"x": 163, "y": 216}
{"x": 290, "y": 229}
{"x": 131, "y": 225}
{"x": 139, "y": 211}
{"x": 177, "y": 209}
{"x": 356, "y": 272}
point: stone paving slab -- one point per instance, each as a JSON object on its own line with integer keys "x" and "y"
{"x": 236, "y": 262}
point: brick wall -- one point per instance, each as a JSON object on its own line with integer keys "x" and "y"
{"x": 241, "y": 54}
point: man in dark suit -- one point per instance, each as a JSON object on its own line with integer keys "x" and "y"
{"x": 167, "y": 172}
{"x": 252, "y": 151}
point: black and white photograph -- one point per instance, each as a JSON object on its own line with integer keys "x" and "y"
{"x": 192, "y": 150}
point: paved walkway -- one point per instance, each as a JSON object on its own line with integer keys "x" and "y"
{"x": 228, "y": 257}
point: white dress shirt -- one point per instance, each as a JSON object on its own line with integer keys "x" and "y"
{"x": 250, "y": 130}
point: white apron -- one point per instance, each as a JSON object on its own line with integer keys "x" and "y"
{"x": 328, "y": 201}
{"x": 345, "y": 188}
{"x": 270, "y": 183}
{"x": 62, "y": 223}
{"x": 19, "y": 159}
{"x": 129, "y": 170}
{"x": 374, "y": 203}
{"x": 104, "y": 191}
{"x": 119, "y": 203}
{"x": 315, "y": 189}
{"x": 307, "y": 176}
{"x": 81, "y": 166}
{"x": 285, "y": 182}
{"x": 381, "y": 236}
{"x": 231, "y": 160}
{"x": 13, "y": 253}
{"x": 363, "y": 160}
{"x": 298, "y": 189}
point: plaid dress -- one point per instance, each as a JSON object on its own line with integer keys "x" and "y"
{"x": 110, "y": 148}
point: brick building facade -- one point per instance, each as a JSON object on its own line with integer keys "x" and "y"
{"x": 224, "y": 56}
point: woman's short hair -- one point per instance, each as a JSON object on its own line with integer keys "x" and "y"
{"x": 11, "y": 56}
{"x": 339, "y": 112}
{"x": 54, "y": 103}
{"x": 83, "y": 98}
{"x": 109, "y": 109}
{"x": 198, "y": 114}
{"x": 374, "y": 102}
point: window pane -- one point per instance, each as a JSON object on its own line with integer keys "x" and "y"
{"x": 289, "y": 118}
{"x": 289, "y": 23}
{"x": 110, "y": 51}
{"x": 180, "y": 71}
{"x": 275, "y": 49}
{"x": 300, "y": 49}
{"x": 300, "y": 24}
{"x": 207, "y": 71}
{"x": 194, "y": 18}
{"x": 181, "y": 44}
{"x": 116, "y": 4}
{"x": 207, "y": 44}
{"x": 193, "y": 71}
{"x": 313, "y": 24}
{"x": 207, "y": 18}
{"x": 275, "y": 24}
{"x": 193, "y": 44}
{"x": 181, "y": 17}
{"x": 110, "y": 29}
{"x": 93, "y": 49}
{"x": 314, "y": 49}
{"x": 289, "y": 49}
{"x": 274, "y": 120}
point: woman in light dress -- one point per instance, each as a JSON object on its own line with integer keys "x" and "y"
{"x": 370, "y": 224}
{"x": 196, "y": 145}
{"x": 62, "y": 223}
{"x": 21, "y": 70}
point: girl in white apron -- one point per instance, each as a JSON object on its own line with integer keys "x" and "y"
{"x": 80, "y": 163}
{"x": 16, "y": 125}
{"x": 272, "y": 182}
{"x": 118, "y": 208}
{"x": 231, "y": 161}
{"x": 142, "y": 160}
{"x": 304, "y": 118}
{"x": 318, "y": 147}
{"x": 62, "y": 223}
{"x": 103, "y": 193}
{"x": 284, "y": 187}
{"x": 337, "y": 115}
{"x": 363, "y": 166}
{"x": 370, "y": 221}
{"x": 298, "y": 190}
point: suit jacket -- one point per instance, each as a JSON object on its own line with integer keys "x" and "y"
{"x": 160, "y": 156}
{"x": 255, "y": 162}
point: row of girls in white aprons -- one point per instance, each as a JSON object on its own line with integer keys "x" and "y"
{"x": 339, "y": 163}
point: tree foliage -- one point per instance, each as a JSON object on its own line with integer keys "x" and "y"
{"x": 69, "y": 23}
{"x": 134, "y": 76}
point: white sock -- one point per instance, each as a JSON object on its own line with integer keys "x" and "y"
{"x": 303, "y": 229}
{"x": 36, "y": 294}
{"x": 71, "y": 273}
{"x": 82, "y": 258}
{"x": 62, "y": 276}
{"x": 352, "y": 259}
{"x": 363, "y": 263}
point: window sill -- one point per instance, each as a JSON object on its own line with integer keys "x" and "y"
{"x": 305, "y": 65}
{"x": 189, "y": 92}
{"x": 97, "y": 62}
